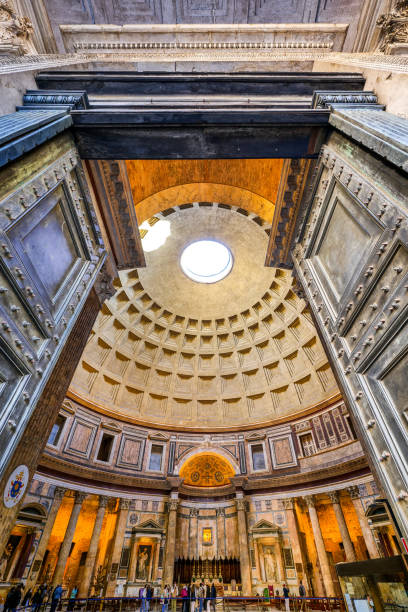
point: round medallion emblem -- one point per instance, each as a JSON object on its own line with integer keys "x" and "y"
{"x": 195, "y": 476}
{"x": 16, "y": 486}
{"x": 218, "y": 476}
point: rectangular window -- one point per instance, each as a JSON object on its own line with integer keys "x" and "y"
{"x": 155, "y": 460}
{"x": 56, "y": 430}
{"x": 207, "y": 536}
{"x": 288, "y": 557}
{"x": 306, "y": 442}
{"x": 258, "y": 457}
{"x": 105, "y": 448}
{"x": 258, "y": 506}
{"x": 268, "y": 504}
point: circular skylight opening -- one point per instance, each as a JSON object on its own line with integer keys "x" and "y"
{"x": 206, "y": 261}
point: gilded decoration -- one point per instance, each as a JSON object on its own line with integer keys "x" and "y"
{"x": 207, "y": 471}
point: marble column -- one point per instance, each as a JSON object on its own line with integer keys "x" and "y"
{"x": 260, "y": 561}
{"x": 168, "y": 570}
{"x": 291, "y": 521}
{"x": 133, "y": 557}
{"x": 93, "y": 549}
{"x": 221, "y": 532}
{"x": 193, "y": 532}
{"x": 344, "y": 532}
{"x": 243, "y": 547}
{"x": 117, "y": 546}
{"x": 45, "y": 537}
{"x": 68, "y": 537}
{"x": 362, "y": 519}
{"x": 321, "y": 550}
{"x": 155, "y": 570}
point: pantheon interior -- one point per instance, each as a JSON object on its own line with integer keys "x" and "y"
{"x": 204, "y": 298}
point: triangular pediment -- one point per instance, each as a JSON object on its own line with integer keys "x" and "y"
{"x": 264, "y": 525}
{"x": 149, "y": 524}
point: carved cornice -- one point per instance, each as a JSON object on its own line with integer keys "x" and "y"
{"x": 117, "y": 208}
{"x": 328, "y": 99}
{"x": 293, "y": 180}
{"x": 77, "y": 100}
{"x": 107, "y": 46}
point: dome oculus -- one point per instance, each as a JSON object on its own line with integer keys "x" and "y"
{"x": 206, "y": 261}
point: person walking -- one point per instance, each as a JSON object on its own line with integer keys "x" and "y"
{"x": 286, "y": 597}
{"x": 56, "y": 597}
{"x": 174, "y": 595}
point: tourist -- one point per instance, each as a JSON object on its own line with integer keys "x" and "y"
{"x": 201, "y": 594}
{"x": 207, "y": 598}
{"x": 192, "y": 597}
{"x": 13, "y": 598}
{"x": 56, "y": 597}
{"x": 165, "y": 597}
{"x": 286, "y": 597}
{"x": 184, "y": 595}
{"x": 213, "y": 596}
{"x": 72, "y": 598}
{"x": 302, "y": 593}
{"x": 174, "y": 594}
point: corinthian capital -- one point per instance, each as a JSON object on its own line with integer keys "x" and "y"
{"x": 334, "y": 497}
{"x": 241, "y": 504}
{"x": 310, "y": 501}
{"x": 124, "y": 504}
{"x": 173, "y": 505}
{"x": 287, "y": 504}
{"x": 79, "y": 497}
{"x": 103, "y": 501}
{"x": 354, "y": 492}
{"x": 59, "y": 493}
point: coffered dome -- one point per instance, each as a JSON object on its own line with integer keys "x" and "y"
{"x": 171, "y": 351}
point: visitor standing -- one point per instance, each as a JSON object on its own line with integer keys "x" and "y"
{"x": 174, "y": 595}
{"x": 184, "y": 595}
{"x": 213, "y": 596}
{"x": 56, "y": 597}
{"x": 72, "y": 598}
{"x": 286, "y": 597}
